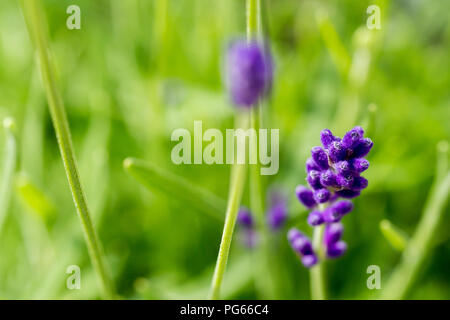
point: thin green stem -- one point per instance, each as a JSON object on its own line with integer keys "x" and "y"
{"x": 253, "y": 19}
{"x": 9, "y": 166}
{"x": 227, "y": 235}
{"x": 317, "y": 280}
{"x": 36, "y": 23}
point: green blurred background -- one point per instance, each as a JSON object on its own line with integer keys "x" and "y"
{"x": 138, "y": 69}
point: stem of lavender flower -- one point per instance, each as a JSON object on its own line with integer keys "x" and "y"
{"x": 317, "y": 279}
{"x": 34, "y": 18}
{"x": 238, "y": 175}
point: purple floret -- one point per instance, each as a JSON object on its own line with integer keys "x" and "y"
{"x": 322, "y": 195}
{"x": 305, "y": 196}
{"x": 315, "y": 218}
{"x": 336, "y": 250}
{"x": 359, "y": 165}
{"x": 328, "y": 178}
{"x": 333, "y": 233}
{"x": 245, "y": 218}
{"x": 309, "y": 260}
{"x": 363, "y": 148}
{"x": 313, "y": 179}
{"x": 337, "y": 152}
{"x": 320, "y": 157}
{"x": 326, "y": 137}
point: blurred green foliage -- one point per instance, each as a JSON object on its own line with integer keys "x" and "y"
{"x": 138, "y": 69}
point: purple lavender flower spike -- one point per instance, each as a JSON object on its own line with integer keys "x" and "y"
{"x": 249, "y": 72}
{"x": 309, "y": 260}
{"x": 313, "y": 179}
{"x": 348, "y": 194}
{"x": 352, "y": 138}
{"x": 363, "y": 148}
{"x": 326, "y": 137}
{"x": 303, "y": 246}
{"x": 336, "y": 250}
{"x": 278, "y": 211}
{"x": 315, "y": 218}
{"x": 343, "y": 206}
{"x": 359, "y": 165}
{"x": 245, "y": 218}
{"x": 311, "y": 165}
{"x": 337, "y": 152}
{"x": 333, "y": 173}
{"x": 328, "y": 178}
{"x": 320, "y": 157}
{"x": 333, "y": 233}
{"x": 305, "y": 196}
{"x": 342, "y": 167}
{"x": 344, "y": 180}
{"x": 331, "y": 215}
{"x": 359, "y": 183}
{"x": 293, "y": 234}
{"x": 322, "y": 195}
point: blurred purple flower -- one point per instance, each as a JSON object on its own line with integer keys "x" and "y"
{"x": 249, "y": 72}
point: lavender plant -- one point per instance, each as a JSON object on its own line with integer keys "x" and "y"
{"x": 249, "y": 77}
{"x": 333, "y": 172}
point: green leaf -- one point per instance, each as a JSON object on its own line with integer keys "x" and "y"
{"x": 176, "y": 187}
{"x": 396, "y": 237}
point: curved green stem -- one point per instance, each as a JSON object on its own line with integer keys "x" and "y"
{"x": 37, "y": 29}
{"x": 317, "y": 280}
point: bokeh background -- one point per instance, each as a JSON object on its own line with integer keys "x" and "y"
{"x": 138, "y": 69}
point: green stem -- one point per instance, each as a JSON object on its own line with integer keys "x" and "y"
{"x": 253, "y": 19}
{"x": 420, "y": 245}
{"x": 34, "y": 18}
{"x": 238, "y": 175}
{"x": 317, "y": 279}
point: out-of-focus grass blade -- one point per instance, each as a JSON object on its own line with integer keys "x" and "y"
{"x": 175, "y": 187}
{"x": 396, "y": 237}
{"x": 336, "y": 48}
{"x": 9, "y": 166}
{"x": 421, "y": 243}
{"x": 34, "y": 198}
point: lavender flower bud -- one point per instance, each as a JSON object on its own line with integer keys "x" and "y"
{"x": 343, "y": 167}
{"x": 352, "y": 138}
{"x": 313, "y": 179}
{"x": 333, "y": 233}
{"x": 331, "y": 215}
{"x": 309, "y": 260}
{"x": 278, "y": 212}
{"x": 337, "y": 152}
{"x": 327, "y": 178}
{"x": 249, "y": 75}
{"x": 245, "y": 218}
{"x": 348, "y": 194}
{"x": 322, "y": 195}
{"x": 359, "y": 183}
{"x": 315, "y": 218}
{"x": 320, "y": 157}
{"x": 343, "y": 207}
{"x": 337, "y": 249}
{"x": 311, "y": 165}
{"x": 305, "y": 196}
{"x": 303, "y": 246}
{"x": 362, "y": 148}
{"x": 326, "y": 137}
{"x": 293, "y": 234}
{"x": 359, "y": 164}
{"x": 344, "y": 180}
